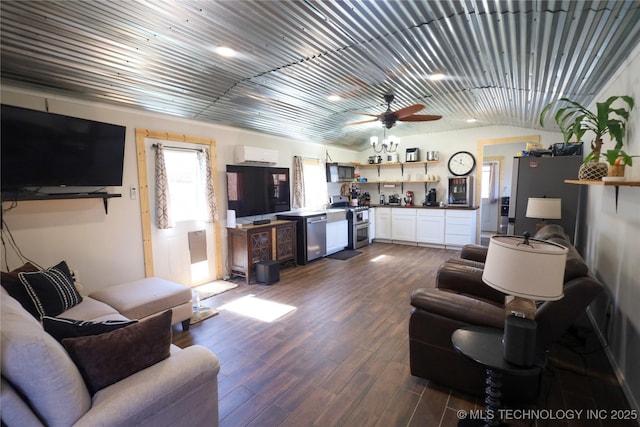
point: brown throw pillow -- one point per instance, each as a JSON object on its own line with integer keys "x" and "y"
{"x": 108, "y": 358}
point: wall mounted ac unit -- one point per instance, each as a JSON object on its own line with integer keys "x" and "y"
{"x": 246, "y": 154}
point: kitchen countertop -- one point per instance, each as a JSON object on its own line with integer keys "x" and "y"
{"x": 466, "y": 208}
{"x": 313, "y": 212}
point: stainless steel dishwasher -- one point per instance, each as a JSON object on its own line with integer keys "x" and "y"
{"x": 316, "y": 228}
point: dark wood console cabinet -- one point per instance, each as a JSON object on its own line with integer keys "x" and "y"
{"x": 254, "y": 243}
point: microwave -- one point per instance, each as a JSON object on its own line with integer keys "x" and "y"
{"x": 340, "y": 172}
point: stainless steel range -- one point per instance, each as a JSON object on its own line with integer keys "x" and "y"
{"x": 358, "y": 220}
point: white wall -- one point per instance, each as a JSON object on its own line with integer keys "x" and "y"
{"x": 446, "y": 143}
{"x": 107, "y": 249}
{"x": 612, "y": 238}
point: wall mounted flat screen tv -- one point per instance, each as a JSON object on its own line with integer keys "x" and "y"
{"x": 258, "y": 190}
{"x": 42, "y": 149}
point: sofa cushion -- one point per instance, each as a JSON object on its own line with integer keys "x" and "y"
{"x": 52, "y": 290}
{"x": 38, "y": 367}
{"x": 107, "y": 358}
{"x": 16, "y": 289}
{"x": 575, "y": 265}
{"x": 61, "y": 328}
{"x": 92, "y": 309}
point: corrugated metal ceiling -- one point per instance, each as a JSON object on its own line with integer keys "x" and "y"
{"x": 505, "y": 60}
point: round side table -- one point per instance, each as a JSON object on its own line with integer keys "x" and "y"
{"x": 484, "y": 345}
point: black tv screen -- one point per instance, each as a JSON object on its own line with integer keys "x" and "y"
{"x": 257, "y": 190}
{"x": 42, "y": 149}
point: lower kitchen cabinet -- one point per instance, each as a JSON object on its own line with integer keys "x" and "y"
{"x": 460, "y": 227}
{"x": 403, "y": 225}
{"x": 430, "y": 226}
{"x": 337, "y": 236}
{"x": 383, "y": 223}
{"x": 442, "y": 227}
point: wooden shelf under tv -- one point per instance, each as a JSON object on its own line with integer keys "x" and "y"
{"x": 62, "y": 196}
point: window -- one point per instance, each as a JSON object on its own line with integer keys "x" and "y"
{"x": 188, "y": 197}
{"x": 315, "y": 184}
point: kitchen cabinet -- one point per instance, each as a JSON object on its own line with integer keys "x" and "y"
{"x": 403, "y": 225}
{"x": 372, "y": 224}
{"x": 254, "y": 243}
{"x": 430, "y": 226}
{"x": 383, "y": 223}
{"x": 337, "y": 236}
{"x": 460, "y": 227}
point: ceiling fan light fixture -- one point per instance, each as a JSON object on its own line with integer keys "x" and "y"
{"x": 389, "y": 144}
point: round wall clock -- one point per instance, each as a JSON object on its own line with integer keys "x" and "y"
{"x": 462, "y": 163}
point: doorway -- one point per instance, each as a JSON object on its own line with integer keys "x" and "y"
{"x": 170, "y": 253}
{"x": 490, "y": 195}
{"x": 502, "y": 151}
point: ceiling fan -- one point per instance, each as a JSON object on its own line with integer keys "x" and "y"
{"x": 407, "y": 114}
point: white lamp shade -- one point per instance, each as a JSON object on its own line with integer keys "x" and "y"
{"x": 534, "y": 271}
{"x": 373, "y": 140}
{"x": 544, "y": 208}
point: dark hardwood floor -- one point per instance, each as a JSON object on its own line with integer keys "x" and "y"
{"x": 341, "y": 358}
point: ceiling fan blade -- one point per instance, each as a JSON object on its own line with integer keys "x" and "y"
{"x": 363, "y": 121}
{"x": 421, "y": 118}
{"x": 407, "y": 111}
{"x": 367, "y": 114}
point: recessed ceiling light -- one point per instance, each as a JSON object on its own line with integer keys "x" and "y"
{"x": 225, "y": 51}
{"x": 472, "y": 120}
{"x": 334, "y": 98}
{"x": 436, "y": 76}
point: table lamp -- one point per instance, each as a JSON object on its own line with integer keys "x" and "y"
{"x": 529, "y": 270}
{"x": 544, "y": 208}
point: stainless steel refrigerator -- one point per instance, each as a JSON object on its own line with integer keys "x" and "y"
{"x": 543, "y": 177}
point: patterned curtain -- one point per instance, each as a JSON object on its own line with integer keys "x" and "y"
{"x": 204, "y": 160}
{"x": 163, "y": 208}
{"x": 298, "y": 182}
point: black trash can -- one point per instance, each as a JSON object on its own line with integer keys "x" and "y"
{"x": 267, "y": 272}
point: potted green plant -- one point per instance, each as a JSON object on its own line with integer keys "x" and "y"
{"x": 617, "y": 159}
{"x": 574, "y": 120}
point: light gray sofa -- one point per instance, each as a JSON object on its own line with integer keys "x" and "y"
{"x": 41, "y": 385}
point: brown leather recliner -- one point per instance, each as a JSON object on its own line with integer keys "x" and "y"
{"x": 462, "y": 299}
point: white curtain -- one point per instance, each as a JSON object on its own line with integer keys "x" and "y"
{"x": 204, "y": 160}
{"x": 163, "y": 200}
{"x": 298, "y": 183}
{"x": 493, "y": 183}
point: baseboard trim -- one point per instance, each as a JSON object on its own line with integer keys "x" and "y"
{"x": 619, "y": 376}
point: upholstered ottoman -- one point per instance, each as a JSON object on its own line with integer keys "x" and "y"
{"x": 148, "y": 297}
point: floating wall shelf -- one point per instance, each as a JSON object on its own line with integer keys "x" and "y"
{"x": 616, "y": 184}
{"x": 32, "y": 196}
